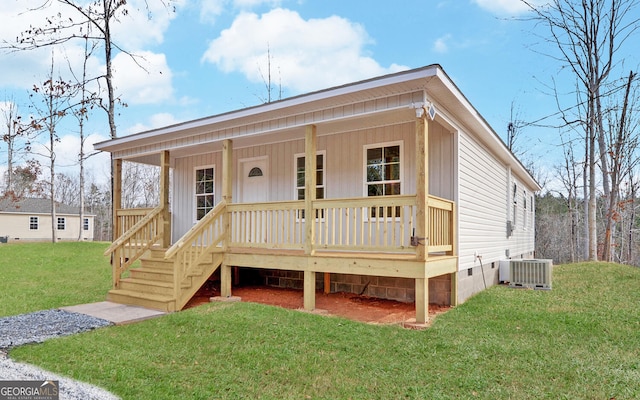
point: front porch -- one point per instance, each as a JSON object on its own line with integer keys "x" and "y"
{"x": 406, "y": 236}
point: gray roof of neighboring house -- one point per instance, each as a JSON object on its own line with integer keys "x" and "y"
{"x": 34, "y": 206}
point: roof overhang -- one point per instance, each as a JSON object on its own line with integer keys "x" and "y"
{"x": 386, "y": 100}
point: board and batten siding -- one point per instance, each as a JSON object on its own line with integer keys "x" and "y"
{"x": 344, "y": 167}
{"x": 485, "y": 205}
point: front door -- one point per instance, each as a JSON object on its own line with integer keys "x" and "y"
{"x": 254, "y": 181}
{"x": 254, "y": 188}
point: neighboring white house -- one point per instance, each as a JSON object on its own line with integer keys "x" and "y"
{"x": 414, "y": 191}
{"x": 29, "y": 219}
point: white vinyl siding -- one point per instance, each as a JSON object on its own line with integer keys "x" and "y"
{"x": 483, "y": 184}
{"x": 486, "y": 187}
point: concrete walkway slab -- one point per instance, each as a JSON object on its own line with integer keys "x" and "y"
{"x": 118, "y": 314}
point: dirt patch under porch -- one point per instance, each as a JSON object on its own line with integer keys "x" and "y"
{"x": 348, "y": 305}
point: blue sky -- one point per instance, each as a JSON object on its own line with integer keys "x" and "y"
{"x": 210, "y": 56}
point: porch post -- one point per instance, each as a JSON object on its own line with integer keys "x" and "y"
{"x": 309, "y": 197}
{"x": 164, "y": 199}
{"x": 422, "y": 300}
{"x": 422, "y": 213}
{"x": 454, "y": 289}
{"x": 225, "y": 280}
{"x": 422, "y": 186}
{"x": 227, "y": 197}
{"x": 116, "y": 196}
{"x": 116, "y": 203}
{"x": 227, "y": 187}
{"x": 227, "y": 171}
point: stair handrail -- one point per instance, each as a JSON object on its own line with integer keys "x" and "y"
{"x": 140, "y": 237}
{"x": 200, "y": 241}
{"x": 196, "y": 230}
{"x": 133, "y": 230}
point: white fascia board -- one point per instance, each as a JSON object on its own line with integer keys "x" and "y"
{"x": 197, "y": 125}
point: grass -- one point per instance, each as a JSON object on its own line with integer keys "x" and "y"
{"x": 577, "y": 341}
{"x": 39, "y": 276}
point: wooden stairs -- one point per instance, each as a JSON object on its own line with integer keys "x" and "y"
{"x": 152, "y": 284}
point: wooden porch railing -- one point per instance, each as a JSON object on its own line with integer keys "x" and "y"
{"x": 203, "y": 239}
{"x": 365, "y": 224}
{"x": 371, "y": 224}
{"x": 130, "y": 246}
{"x": 273, "y": 225}
{"x": 441, "y": 225}
{"x": 128, "y": 217}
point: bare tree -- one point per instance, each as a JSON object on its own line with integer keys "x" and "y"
{"x": 268, "y": 80}
{"x": 588, "y": 34}
{"x": 51, "y": 102}
{"x": 14, "y": 129}
{"x": 81, "y": 112}
{"x": 569, "y": 176}
{"x": 621, "y": 145}
{"x": 26, "y": 179}
{"x": 59, "y": 28}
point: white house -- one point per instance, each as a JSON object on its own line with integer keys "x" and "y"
{"x": 29, "y": 219}
{"x": 410, "y": 190}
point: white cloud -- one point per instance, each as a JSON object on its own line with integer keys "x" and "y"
{"x": 21, "y": 69}
{"x": 145, "y": 80}
{"x": 210, "y": 10}
{"x": 506, "y": 7}
{"x": 440, "y": 45}
{"x": 305, "y": 54}
{"x": 155, "y": 121}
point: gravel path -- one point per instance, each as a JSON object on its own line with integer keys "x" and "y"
{"x": 36, "y": 328}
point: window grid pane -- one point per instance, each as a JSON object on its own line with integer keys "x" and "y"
{"x": 204, "y": 191}
{"x": 383, "y": 172}
{"x": 300, "y": 183}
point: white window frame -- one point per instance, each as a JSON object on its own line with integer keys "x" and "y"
{"x": 296, "y": 157}
{"x": 525, "y": 215}
{"x": 515, "y": 204}
{"x": 365, "y": 148}
{"x": 34, "y": 221}
{"x": 194, "y": 188}
{"x": 62, "y": 221}
{"x": 85, "y": 224}
{"x": 322, "y": 153}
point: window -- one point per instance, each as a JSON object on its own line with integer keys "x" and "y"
{"x": 515, "y": 203}
{"x": 85, "y": 224}
{"x": 204, "y": 191}
{"x": 525, "y": 220}
{"x": 300, "y": 168}
{"x": 61, "y": 223}
{"x": 33, "y": 223}
{"x": 383, "y": 173}
{"x": 300, "y": 181}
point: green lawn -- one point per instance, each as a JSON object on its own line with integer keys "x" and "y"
{"x": 39, "y": 276}
{"x": 579, "y": 341}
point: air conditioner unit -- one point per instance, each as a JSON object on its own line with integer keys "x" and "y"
{"x": 503, "y": 270}
{"x": 534, "y": 274}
